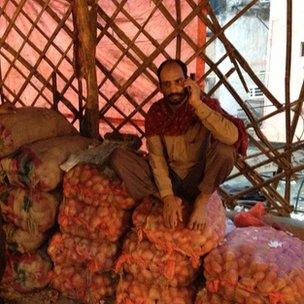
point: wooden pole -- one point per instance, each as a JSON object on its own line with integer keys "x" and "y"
{"x": 87, "y": 47}
{"x": 201, "y": 40}
{"x": 287, "y": 94}
{"x": 178, "y": 37}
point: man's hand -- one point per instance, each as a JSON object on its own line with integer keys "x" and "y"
{"x": 172, "y": 210}
{"x": 195, "y": 92}
{"x": 199, "y": 213}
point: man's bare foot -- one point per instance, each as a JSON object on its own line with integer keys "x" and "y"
{"x": 198, "y": 216}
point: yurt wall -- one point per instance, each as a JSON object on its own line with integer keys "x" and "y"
{"x": 96, "y": 62}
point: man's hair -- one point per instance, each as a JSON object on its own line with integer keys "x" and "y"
{"x": 170, "y": 61}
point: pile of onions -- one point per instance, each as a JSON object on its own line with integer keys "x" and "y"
{"x": 149, "y": 221}
{"x": 257, "y": 265}
{"x": 91, "y": 185}
{"x": 72, "y": 250}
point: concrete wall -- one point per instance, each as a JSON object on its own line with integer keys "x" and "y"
{"x": 275, "y": 78}
{"x": 249, "y": 35}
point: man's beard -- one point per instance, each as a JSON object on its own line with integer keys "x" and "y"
{"x": 177, "y": 98}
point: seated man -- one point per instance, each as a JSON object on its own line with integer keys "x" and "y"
{"x": 192, "y": 145}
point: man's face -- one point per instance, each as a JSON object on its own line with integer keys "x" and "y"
{"x": 172, "y": 83}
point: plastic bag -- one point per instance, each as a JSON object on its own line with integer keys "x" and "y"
{"x": 72, "y": 250}
{"x": 257, "y": 265}
{"x": 254, "y": 217}
{"x": 148, "y": 219}
{"x": 149, "y": 264}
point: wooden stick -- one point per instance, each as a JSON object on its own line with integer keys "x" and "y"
{"x": 2, "y": 97}
{"x": 55, "y": 92}
{"x": 297, "y": 113}
{"x": 178, "y": 21}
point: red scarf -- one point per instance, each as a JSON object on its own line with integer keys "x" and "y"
{"x": 162, "y": 120}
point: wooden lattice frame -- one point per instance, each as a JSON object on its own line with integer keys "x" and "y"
{"x": 106, "y": 27}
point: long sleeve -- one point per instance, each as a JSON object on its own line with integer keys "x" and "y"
{"x": 220, "y": 127}
{"x": 159, "y": 165}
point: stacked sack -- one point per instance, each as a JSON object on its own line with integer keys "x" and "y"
{"x": 92, "y": 218}
{"x": 161, "y": 264}
{"x": 255, "y": 265}
{"x": 33, "y": 144}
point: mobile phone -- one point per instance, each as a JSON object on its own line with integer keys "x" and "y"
{"x": 192, "y": 76}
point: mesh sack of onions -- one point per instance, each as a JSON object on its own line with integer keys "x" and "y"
{"x": 257, "y": 265}
{"x": 205, "y": 297}
{"x": 148, "y": 219}
{"x": 133, "y": 291}
{"x": 32, "y": 211}
{"x": 72, "y": 250}
{"x": 103, "y": 222}
{"x": 149, "y": 264}
{"x": 97, "y": 187}
{"x": 77, "y": 283}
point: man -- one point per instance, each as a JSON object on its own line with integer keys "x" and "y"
{"x": 192, "y": 144}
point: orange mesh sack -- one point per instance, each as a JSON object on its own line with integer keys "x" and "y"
{"x": 130, "y": 291}
{"x": 257, "y": 265}
{"x": 20, "y": 126}
{"x": 205, "y": 297}
{"x": 19, "y": 240}
{"x": 37, "y": 166}
{"x": 32, "y": 211}
{"x": 103, "y": 223}
{"x": 148, "y": 219}
{"x": 25, "y": 273}
{"x": 148, "y": 264}
{"x": 96, "y": 187}
{"x": 72, "y": 250}
{"x": 76, "y": 283}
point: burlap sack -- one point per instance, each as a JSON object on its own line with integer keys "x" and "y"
{"x": 32, "y": 211}
{"x": 25, "y": 273}
{"x": 20, "y": 126}
{"x": 19, "y": 240}
{"x": 37, "y": 166}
